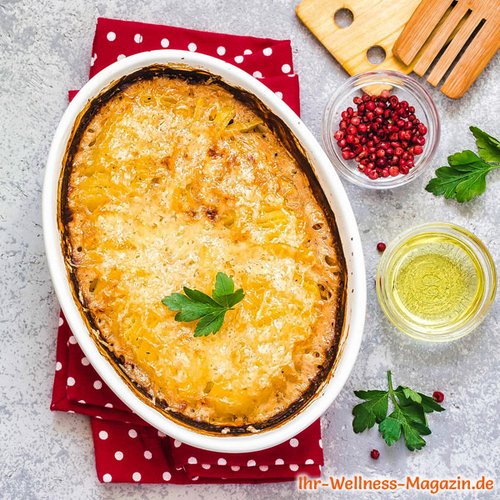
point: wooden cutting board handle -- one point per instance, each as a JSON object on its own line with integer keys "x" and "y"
{"x": 376, "y": 23}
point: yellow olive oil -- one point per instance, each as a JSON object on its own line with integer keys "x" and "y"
{"x": 436, "y": 281}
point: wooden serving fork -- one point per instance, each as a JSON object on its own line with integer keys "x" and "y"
{"x": 458, "y": 36}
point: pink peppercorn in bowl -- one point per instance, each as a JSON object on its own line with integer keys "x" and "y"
{"x": 381, "y": 129}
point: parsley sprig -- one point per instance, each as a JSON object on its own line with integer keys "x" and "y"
{"x": 407, "y": 419}
{"x": 465, "y": 177}
{"x": 210, "y": 311}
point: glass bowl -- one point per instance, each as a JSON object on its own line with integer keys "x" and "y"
{"x": 405, "y": 88}
{"x": 452, "y": 244}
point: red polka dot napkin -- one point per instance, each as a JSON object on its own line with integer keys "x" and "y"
{"x": 267, "y": 59}
{"x": 127, "y": 449}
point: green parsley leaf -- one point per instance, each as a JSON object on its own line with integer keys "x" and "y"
{"x": 223, "y": 292}
{"x": 422, "y": 429}
{"x": 411, "y": 394}
{"x": 189, "y": 311}
{"x": 197, "y": 296}
{"x": 390, "y": 428}
{"x": 223, "y": 285}
{"x": 364, "y": 418}
{"x": 373, "y": 410}
{"x": 488, "y": 147}
{"x": 465, "y": 177}
{"x": 210, "y": 323}
{"x": 415, "y": 413}
{"x": 210, "y": 311}
{"x": 413, "y": 440}
{"x": 429, "y": 404}
{"x": 408, "y": 418}
{"x": 368, "y": 395}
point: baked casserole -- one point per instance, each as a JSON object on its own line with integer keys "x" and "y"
{"x": 170, "y": 176}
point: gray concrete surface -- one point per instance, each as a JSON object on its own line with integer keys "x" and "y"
{"x": 44, "y": 50}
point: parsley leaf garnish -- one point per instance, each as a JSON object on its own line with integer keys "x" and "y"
{"x": 465, "y": 177}
{"x": 408, "y": 417}
{"x": 210, "y": 311}
{"x": 487, "y": 146}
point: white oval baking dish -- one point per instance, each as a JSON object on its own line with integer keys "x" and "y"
{"x": 355, "y": 288}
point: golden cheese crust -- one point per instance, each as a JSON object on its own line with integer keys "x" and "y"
{"x": 168, "y": 181}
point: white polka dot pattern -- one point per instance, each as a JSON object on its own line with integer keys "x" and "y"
{"x": 103, "y": 435}
{"x": 286, "y": 68}
{"x": 118, "y": 455}
{"x": 111, "y": 36}
{"x": 192, "y": 47}
{"x": 165, "y": 43}
{"x": 138, "y": 38}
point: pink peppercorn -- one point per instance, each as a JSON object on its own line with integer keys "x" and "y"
{"x": 438, "y": 396}
{"x": 382, "y": 134}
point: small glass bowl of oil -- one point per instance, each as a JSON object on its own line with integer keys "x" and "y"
{"x": 436, "y": 282}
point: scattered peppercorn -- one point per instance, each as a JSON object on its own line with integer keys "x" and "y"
{"x": 375, "y": 454}
{"x": 381, "y": 246}
{"x": 383, "y": 135}
{"x": 438, "y": 396}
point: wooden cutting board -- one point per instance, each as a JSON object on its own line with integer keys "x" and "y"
{"x": 376, "y": 23}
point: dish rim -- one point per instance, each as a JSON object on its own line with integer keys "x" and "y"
{"x": 330, "y": 184}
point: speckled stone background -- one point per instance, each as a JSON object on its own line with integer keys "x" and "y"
{"x": 45, "y": 50}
